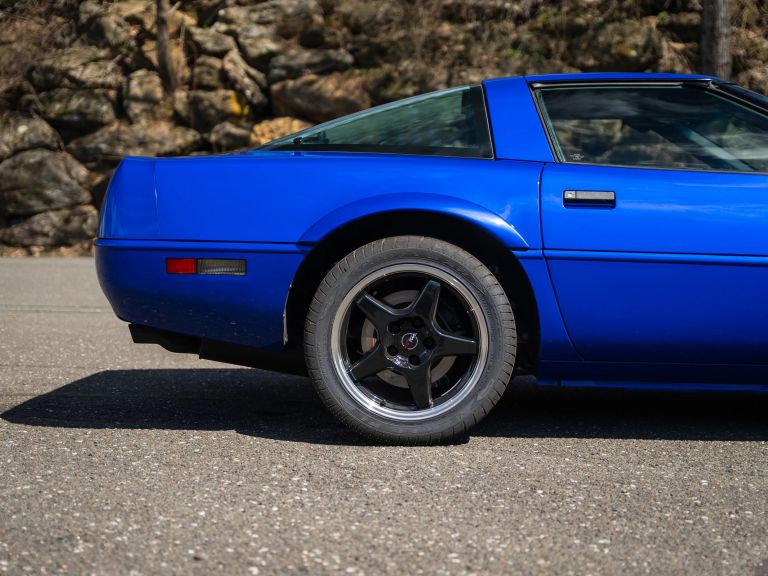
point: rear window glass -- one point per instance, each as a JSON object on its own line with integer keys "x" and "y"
{"x": 451, "y": 122}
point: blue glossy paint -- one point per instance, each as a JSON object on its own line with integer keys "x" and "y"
{"x": 131, "y": 210}
{"x": 668, "y": 286}
{"x": 515, "y": 126}
{"x": 438, "y": 203}
{"x": 554, "y": 342}
{"x": 238, "y": 204}
{"x": 239, "y": 309}
{"x": 676, "y": 272}
{"x": 244, "y": 197}
{"x": 658, "y": 211}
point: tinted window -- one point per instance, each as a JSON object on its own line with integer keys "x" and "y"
{"x": 447, "y": 123}
{"x": 674, "y": 126}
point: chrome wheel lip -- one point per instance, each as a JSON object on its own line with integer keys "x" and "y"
{"x": 341, "y": 366}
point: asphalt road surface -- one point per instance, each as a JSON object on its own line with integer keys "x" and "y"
{"x": 118, "y": 458}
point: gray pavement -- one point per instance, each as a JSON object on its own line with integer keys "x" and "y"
{"x": 117, "y": 458}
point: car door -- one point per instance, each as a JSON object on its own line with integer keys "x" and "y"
{"x": 655, "y": 221}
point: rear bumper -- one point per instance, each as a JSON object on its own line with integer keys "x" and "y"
{"x": 245, "y": 310}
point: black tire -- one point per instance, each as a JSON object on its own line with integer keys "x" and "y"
{"x": 486, "y": 325}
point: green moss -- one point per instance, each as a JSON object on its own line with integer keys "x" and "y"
{"x": 513, "y": 54}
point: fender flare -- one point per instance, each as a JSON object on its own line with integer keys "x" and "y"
{"x": 436, "y": 203}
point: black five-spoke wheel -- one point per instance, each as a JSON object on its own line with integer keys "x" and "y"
{"x": 410, "y": 339}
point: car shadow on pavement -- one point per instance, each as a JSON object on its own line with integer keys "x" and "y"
{"x": 276, "y": 406}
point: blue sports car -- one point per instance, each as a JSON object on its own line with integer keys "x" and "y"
{"x": 592, "y": 229}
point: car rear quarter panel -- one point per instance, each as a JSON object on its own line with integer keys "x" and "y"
{"x": 283, "y": 197}
{"x": 270, "y": 208}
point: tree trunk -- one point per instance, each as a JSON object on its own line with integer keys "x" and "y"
{"x": 716, "y": 38}
{"x": 165, "y": 62}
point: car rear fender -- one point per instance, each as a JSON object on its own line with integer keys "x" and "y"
{"x": 434, "y": 203}
{"x": 130, "y": 206}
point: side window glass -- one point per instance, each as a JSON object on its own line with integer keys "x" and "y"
{"x": 674, "y": 126}
{"x": 448, "y": 123}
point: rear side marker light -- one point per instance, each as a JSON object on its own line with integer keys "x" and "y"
{"x": 205, "y": 266}
{"x": 221, "y": 266}
{"x": 181, "y": 266}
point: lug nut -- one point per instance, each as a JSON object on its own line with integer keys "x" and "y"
{"x": 417, "y": 323}
{"x": 394, "y": 328}
{"x": 414, "y": 360}
{"x": 392, "y": 351}
{"x": 429, "y": 343}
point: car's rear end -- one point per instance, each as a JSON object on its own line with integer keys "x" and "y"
{"x": 203, "y": 284}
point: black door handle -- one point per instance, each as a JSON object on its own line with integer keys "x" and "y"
{"x": 597, "y": 198}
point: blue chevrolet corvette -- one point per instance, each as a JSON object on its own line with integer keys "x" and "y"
{"x": 411, "y": 258}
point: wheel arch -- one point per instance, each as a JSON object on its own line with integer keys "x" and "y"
{"x": 469, "y": 234}
{"x": 381, "y": 205}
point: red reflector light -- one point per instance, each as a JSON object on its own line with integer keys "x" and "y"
{"x": 180, "y": 266}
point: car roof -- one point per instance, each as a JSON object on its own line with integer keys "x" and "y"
{"x": 602, "y": 76}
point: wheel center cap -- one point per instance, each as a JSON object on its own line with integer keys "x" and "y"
{"x": 409, "y": 341}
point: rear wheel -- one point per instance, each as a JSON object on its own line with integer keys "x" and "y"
{"x": 410, "y": 340}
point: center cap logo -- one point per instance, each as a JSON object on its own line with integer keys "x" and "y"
{"x": 409, "y": 341}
